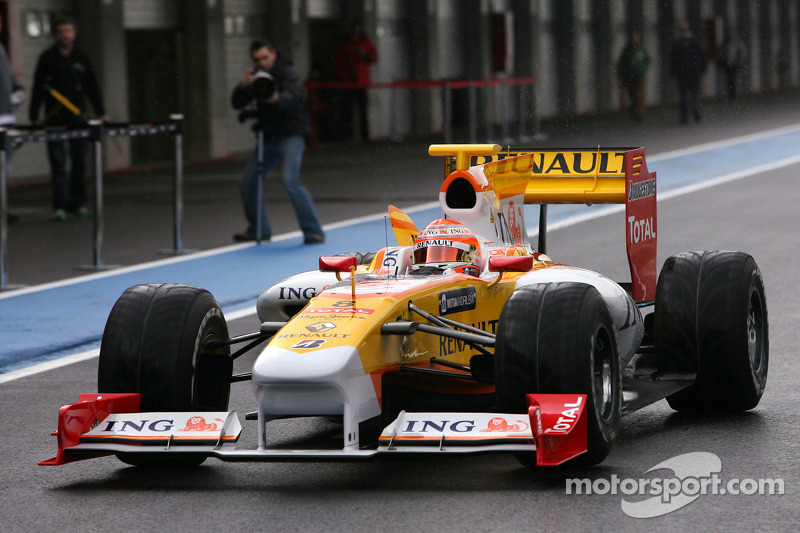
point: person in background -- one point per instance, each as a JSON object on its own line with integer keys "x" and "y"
{"x": 11, "y": 96}
{"x": 63, "y": 80}
{"x": 275, "y": 87}
{"x": 631, "y": 71}
{"x": 687, "y": 65}
{"x": 732, "y": 55}
{"x": 353, "y": 59}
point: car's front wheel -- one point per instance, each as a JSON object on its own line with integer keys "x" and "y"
{"x": 156, "y": 342}
{"x": 559, "y": 338}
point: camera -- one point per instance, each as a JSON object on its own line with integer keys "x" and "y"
{"x": 263, "y": 85}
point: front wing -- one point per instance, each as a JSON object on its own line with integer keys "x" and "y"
{"x": 101, "y": 424}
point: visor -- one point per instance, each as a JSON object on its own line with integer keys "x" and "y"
{"x": 454, "y": 252}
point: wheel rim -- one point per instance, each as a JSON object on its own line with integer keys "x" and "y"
{"x": 756, "y": 333}
{"x": 604, "y": 377}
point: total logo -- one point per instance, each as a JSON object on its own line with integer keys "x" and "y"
{"x": 641, "y": 230}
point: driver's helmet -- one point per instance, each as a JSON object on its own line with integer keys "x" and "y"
{"x": 447, "y": 244}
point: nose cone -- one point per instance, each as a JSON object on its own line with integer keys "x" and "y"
{"x": 328, "y": 381}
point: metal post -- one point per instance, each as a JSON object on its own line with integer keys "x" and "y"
{"x": 177, "y": 174}
{"x": 473, "y": 107}
{"x": 3, "y": 209}
{"x": 522, "y": 120}
{"x": 490, "y": 108}
{"x": 504, "y": 110}
{"x": 96, "y": 136}
{"x": 260, "y": 185}
{"x": 542, "y": 229}
{"x": 97, "y": 170}
{"x": 537, "y": 123}
{"x": 448, "y": 113}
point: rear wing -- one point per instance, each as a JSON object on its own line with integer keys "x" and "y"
{"x": 577, "y": 176}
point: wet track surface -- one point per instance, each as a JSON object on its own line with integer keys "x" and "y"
{"x": 756, "y": 214}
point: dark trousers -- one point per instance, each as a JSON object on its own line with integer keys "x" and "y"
{"x": 69, "y": 193}
{"x": 355, "y": 101}
{"x": 690, "y": 101}
{"x": 636, "y": 98}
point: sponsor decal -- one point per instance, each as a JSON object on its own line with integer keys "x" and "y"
{"x": 439, "y": 426}
{"x": 313, "y": 336}
{"x": 474, "y": 427}
{"x": 450, "y": 346}
{"x": 643, "y": 189}
{"x": 561, "y": 163}
{"x": 307, "y": 344}
{"x": 198, "y": 423}
{"x": 567, "y": 419}
{"x": 457, "y": 301}
{"x": 332, "y": 310}
{"x": 441, "y": 242}
{"x": 321, "y": 327}
{"x": 499, "y": 423}
{"x": 513, "y": 226}
{"x": 448, "y": 230}
{"x": 139, "y": 426}
{"x": 335, "y": 316}
{"x": 641, "y": 230}
{"x": 297, "y": 293}
{"x": 390, "y": 258}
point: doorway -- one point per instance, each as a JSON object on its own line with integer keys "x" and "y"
{"x": 154, "y": 83}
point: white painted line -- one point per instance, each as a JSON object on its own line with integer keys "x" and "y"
{"x": 724, "y": 143}
{"x": 48, "y": 365}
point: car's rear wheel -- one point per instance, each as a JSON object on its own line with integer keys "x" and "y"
{"x": 156, "y": 343}
{"x": 711, "y": 318}
{"x": 559, "y": 338}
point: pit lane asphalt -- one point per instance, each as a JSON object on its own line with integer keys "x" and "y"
{"x": 757, "y": 215}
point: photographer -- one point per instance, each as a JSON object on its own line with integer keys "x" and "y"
{"x": 274, "y": 93}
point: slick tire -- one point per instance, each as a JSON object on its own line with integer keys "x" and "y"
{"x": 711, "y": 318}
{"x": 154, "y": 344}
{"x": 559, "y": 338}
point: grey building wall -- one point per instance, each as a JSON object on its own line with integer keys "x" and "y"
{"x": 569, "y": 46}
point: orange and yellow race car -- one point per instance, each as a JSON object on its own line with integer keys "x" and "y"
{"x": 460, "y": 339}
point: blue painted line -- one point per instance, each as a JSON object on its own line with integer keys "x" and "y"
{"x": 38, "y": 326}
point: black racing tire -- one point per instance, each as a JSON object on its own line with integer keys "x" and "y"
{"x": 711, "y": 318}
{"x": 559, "y": 338}
{"x": 154, "y": 344}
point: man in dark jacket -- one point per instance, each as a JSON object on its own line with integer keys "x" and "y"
{"x": 632, "y": 71}
{"x": 63, "y": 80}
{"x": 687, "y": 65}
{"x": 274, "y": 87}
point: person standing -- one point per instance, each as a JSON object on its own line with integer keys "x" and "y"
{"x": 275, "y": 88}
{"x": 687, "y": 65}
{"x": 631, "y": 70}
{"x": 11, "y": 96}
{"x": 731, "y": 57}
{"x": 63, "y": 80}
{"x": 353, "y": 59}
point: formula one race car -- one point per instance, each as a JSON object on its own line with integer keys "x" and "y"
{"x": 460, "y": 339}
